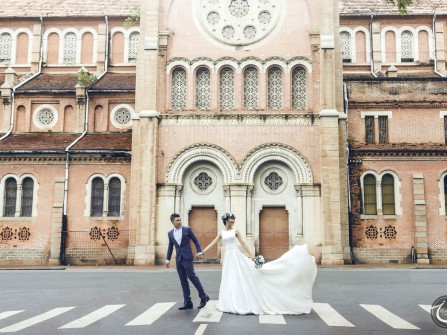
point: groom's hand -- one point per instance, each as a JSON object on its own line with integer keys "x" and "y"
{"x": 199, "y": 256}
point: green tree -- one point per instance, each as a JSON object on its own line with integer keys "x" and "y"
{"x": 401, "y": 5}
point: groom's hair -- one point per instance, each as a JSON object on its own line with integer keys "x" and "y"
{"x": 174, "y": 215}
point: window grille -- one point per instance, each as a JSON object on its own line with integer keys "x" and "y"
{"x": 9, "y": 209}
{"x": 133, "y": 47}
{"x": 274, "y": 94}
{"x": 203, "y": 89}
{"x": 273, "y": 181}
{"x": 114, "y": 197}
{"x": 346, "y": 52}
{"x": 70, "y": 45}
{"x": 226, "y": 95}
{"x": 406, "y": 47}
{"x": 178, "y": 89}
{"x": 369, "y": 130}
{"x": 251, "y": 83}
{"x": 5, "y": 48}
{"x": 203, "y": 181}
{"x": 299, "y": 89}
{"x": 388, "y": 206}
{"x": 27, "y": 197}
{"x": 123, "y": 116}
{"x": 370, "y": 199}
{"x": 383, "y": 129}
{"x": 97, "y": 201}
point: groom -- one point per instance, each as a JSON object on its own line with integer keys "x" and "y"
{"x": 180, "y": 237}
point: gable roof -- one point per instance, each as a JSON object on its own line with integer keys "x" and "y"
{"x": 64, "y": 8}
{"x": 380, "y": 7}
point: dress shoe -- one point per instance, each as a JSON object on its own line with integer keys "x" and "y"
{"x": 186, "y": 306}
{"x": 203, "y": 302}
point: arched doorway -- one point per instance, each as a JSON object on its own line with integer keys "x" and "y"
{"x": 203, "y": 220}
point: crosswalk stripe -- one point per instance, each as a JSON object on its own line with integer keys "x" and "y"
{"x": 201, "y": 329}
{"x": 7, "y": 314}
{"x": 330, "y": 315}
{"x": 151, "y": 315}
{"x": 426, "y": 308}
{"x": 389, "y": 318}
{"x": 272, "y": 319}
{"x": 209, "y": 313}
{"x": 92, "y": 317}
{"x": 35, "y": 320}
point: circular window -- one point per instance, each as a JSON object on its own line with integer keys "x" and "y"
{"x": 45, "y": 117}
{"x": 226, "y": 21}
{"x": 273, "y": 181}
{"x": 121, "y": 116}
{"x": 203, "y": 181}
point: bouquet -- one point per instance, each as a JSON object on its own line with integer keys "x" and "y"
{"x": 259, "y": 261}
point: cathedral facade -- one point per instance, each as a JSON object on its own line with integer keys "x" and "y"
{"x": 317, "y": 122}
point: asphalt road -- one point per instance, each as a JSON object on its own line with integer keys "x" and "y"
{"x": 110, "y": 301}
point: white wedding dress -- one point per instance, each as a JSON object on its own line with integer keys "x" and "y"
{"x": 282, "y": 286}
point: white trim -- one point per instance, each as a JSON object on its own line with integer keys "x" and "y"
{"x": 118, "y": 125}
{"x": 202, "y": 63}
{"x": 442, "y": 114}
{"x": 302, "y": 63}
{"x": 277, "y": 63}
{"x": 95, "y": 43}
{"x": 377, "y": 114}
{"x": 251, "y": 62}
{"x": 397, "y": 194}
{"x": 40, "y": 125}
{"x": 442, "y": 209}
{"x": 19, "y": 181}
{"x": 228, "y": 63}
{"x": 88, "y": 196}
{"x": 13, "y": 45}
{"x": 179, "y": 62}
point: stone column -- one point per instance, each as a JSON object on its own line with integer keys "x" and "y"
{"x": 144, "y": 136}
{"x": 6, "y": 93}
{"x": 56, "y": 223}
{"x": 80, "y": 107}
{"x": 37, "y": 42}
{"x": 102, "y": 44}
{"x": 420, "y": 215}
{"x": 238, "y": 199}
{"x": 376, "y": 46}
{"x": 440, "y": 46}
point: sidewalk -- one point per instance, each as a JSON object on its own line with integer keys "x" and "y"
{"x": 219, "y": 266}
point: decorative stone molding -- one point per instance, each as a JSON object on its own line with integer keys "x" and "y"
{"x": 121, "y": 116}
{"x": 312, "y": 190}
{"x": 45, "y": 117}
{"x": 276, "y": 152}
{"x": 201, "y": 152}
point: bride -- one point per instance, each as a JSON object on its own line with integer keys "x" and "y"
{"x": 282, "y": 286}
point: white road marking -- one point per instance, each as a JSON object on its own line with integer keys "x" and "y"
{"x": 426, "y": 308}
{"x": 388, "y": 317}
{"x": 201, "y": 329}
{"x": 92, "y": 317}
{"x": 330, "y": 315}
{"x": 151, "y": 315}
{"x": 272, "y": 319}
{"x": 7, "y": 314}
{"x": 209, "y": 313}
{"x": 35, "y": 320}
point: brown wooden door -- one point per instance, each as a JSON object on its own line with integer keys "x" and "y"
{"x": 273, "y": 232}
{"x": 203, "y": 221}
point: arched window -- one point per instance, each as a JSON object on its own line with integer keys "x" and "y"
{"x": 133, "y": 47}
{"x": 388, "y": 206}
{"x": 178, "y": 90}
{"x": 203, "y": 89}
{"x": 114, "y": 197}
{"x": 226, "y": 89}
{"x": 346, "y": 52}
{"x": 9, "y": 209}
{"x": 251, "y": 83}
{"x": 370, "y": 198}
{"x": 97, "y": 202}
{"x": 27, "y": 197}
{"x": 70, "y": 46}
{"x": 406, "y": 46}
{"x": 274, "y": 94}
{"x": 299, "y": 90}
{"x": 5, "y": 48}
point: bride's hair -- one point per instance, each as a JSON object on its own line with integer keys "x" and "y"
{"x": 227, "y": 216}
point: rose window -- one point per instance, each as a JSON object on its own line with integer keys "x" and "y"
{"x": 45, "y": 116}
{"x": 226, "y": 21}
{"x": 123, "y": 116}
{"x": 273, "y": 181}
{"x": 203, "y": 181}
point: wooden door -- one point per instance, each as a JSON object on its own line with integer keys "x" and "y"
{"x": 273, "y": 232}
{"x": 203, "y": 221}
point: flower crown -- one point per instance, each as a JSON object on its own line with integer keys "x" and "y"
{"x": 227, "y": 216}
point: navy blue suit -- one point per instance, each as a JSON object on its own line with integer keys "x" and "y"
{"x": 184, "y": 259}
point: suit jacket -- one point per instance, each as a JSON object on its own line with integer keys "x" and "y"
{"x": 183, "y": 251}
